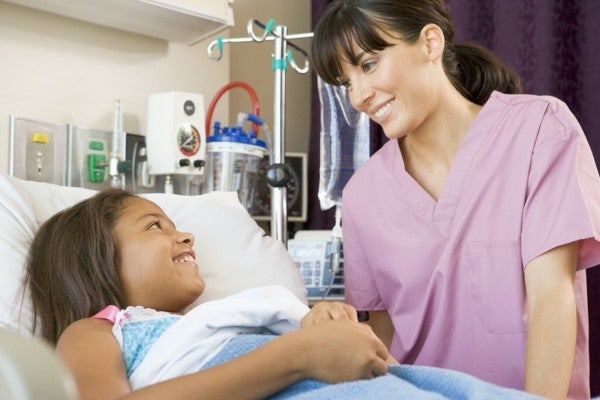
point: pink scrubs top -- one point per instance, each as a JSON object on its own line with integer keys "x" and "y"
{"x": 451, "y": 272}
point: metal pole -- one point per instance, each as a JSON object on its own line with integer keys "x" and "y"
{"x": 280, "y": 59}
{"x": 279, "y": 195}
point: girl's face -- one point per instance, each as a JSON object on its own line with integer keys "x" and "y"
{"x": 158, "y": 267}
{"x": 394, "y": 86}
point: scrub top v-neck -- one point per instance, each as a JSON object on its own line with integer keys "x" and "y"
{"x": 450, "y": 272}
{"x": 441, "y": 212}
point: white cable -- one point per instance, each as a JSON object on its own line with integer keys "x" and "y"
{"x": 336, "y": 248}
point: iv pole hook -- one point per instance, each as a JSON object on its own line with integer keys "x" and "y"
{"x": 302, "y": 70}
{"x": 218, "y": 43}
{"x": 268, "y": 28}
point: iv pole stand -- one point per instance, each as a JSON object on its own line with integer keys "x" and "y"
{"x": 281, "y": 55}
{"x": 279, "y": 194}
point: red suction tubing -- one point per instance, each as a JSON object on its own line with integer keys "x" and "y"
{"x": 231, "y": 85}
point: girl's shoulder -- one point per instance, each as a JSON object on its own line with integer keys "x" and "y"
{"x": 86, "y": 331}
{"x": 90, "y": 352}
{"x": 103, "y": 322}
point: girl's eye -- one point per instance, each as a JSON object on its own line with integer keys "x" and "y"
{"x": 154, "y": 225}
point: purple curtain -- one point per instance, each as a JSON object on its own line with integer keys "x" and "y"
{"x": 554, "y": 48}
{"x": 551, "y": 44}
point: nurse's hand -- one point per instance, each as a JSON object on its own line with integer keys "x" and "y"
{"x": 327, "y": 311}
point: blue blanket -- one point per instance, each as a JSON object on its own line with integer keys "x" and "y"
{"x": 401, "y": 381}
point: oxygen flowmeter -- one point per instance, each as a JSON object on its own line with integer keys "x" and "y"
{"x": 176, "y": 139}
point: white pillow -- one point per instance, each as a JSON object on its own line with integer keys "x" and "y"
{"x": 231, "y": 249}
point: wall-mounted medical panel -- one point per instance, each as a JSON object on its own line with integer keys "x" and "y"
{"x": 176, "y": 139}
{"x": 139, "y": 180}
{"x": 37, "y": 150}
{"x": 296, "y": 190}
{"x": 88, "y": 157}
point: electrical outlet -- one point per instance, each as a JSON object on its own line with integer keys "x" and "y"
{"x": 37, "y": 150}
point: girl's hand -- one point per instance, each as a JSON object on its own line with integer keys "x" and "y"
{"x": 340, "y": 350}
{"x": 329, "y": 310}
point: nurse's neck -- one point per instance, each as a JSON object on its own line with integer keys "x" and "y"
{"x": 428, "y": 154}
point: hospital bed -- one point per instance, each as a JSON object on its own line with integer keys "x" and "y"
{"x": 234, "y": 255}
{"x": 232, "y": 250}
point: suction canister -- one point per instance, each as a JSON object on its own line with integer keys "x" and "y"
{"x": 233, "y": 162}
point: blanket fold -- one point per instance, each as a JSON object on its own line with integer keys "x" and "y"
{"x": 199, "y": 334}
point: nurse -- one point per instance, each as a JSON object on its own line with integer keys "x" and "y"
{"x": 467, "y": 234}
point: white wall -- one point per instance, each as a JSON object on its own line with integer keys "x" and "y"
{"x": 61, "y": 70}
{"x": 251, "y": 63}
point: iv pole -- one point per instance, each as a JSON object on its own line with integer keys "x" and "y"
{"x": 281, "y": 55}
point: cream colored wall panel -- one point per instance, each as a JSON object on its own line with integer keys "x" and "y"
{"x": 182, "y": 21}
{"x": 60, "y": 70}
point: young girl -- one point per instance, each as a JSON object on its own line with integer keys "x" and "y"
{"x": 119, "y": 250}
{"x": 464, "y": 232}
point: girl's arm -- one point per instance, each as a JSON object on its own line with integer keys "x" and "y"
{"x": 335, "y": 351}
{"x": 552, "y": 321}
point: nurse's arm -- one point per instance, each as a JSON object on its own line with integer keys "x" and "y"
{"x": 381, "y": 323}
{"x": 552, "y": 321}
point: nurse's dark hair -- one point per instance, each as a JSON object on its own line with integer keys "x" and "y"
{"x": 72, "y": 268}
{"x": 473, "y": 70}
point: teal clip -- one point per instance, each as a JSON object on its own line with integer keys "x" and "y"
{"x": 220, "y": 43}
{"x": 278, "y": 63}
{"x": 269, "y": 26}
